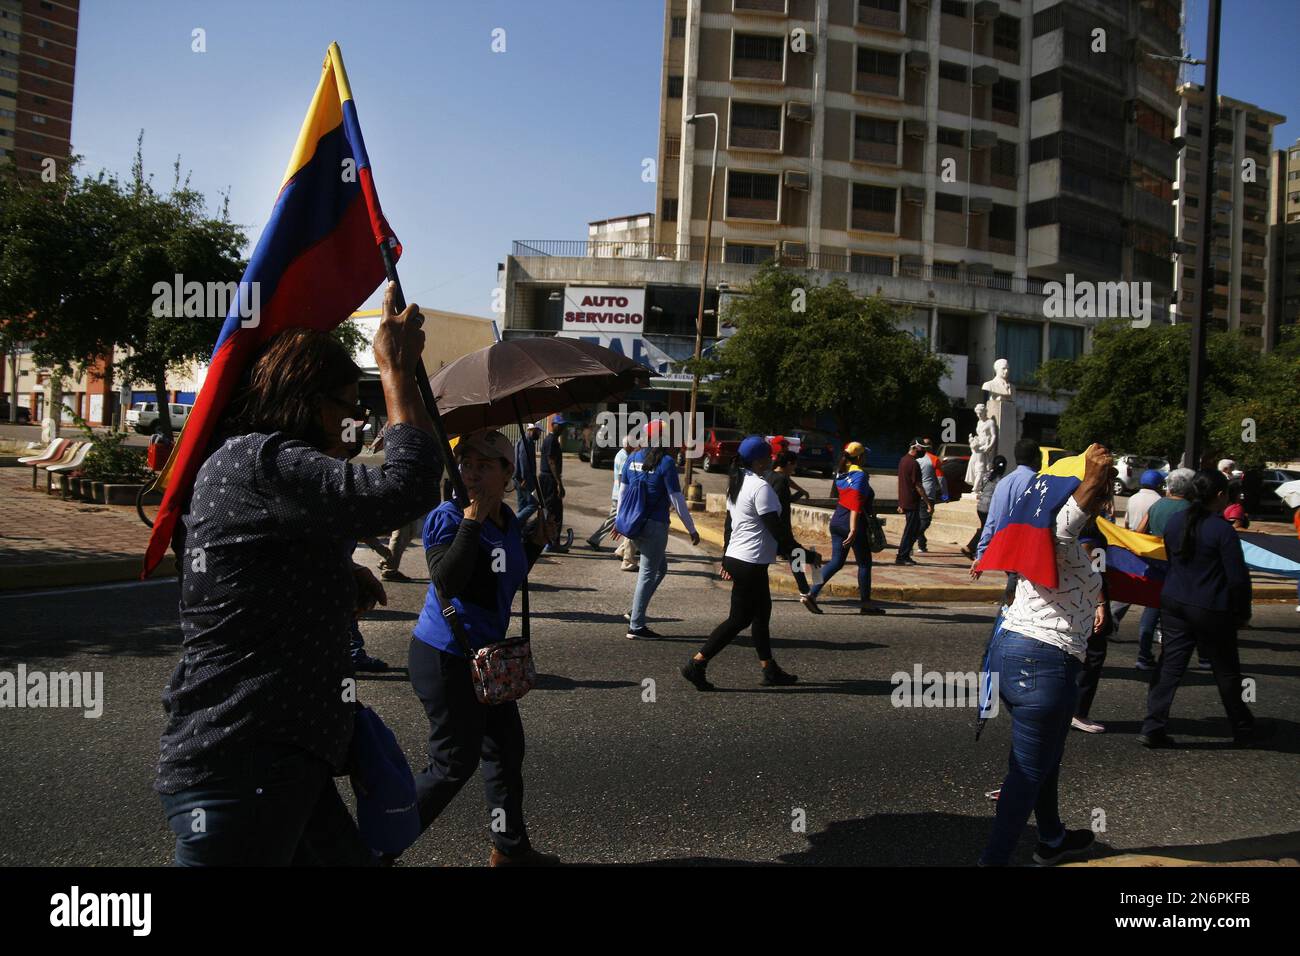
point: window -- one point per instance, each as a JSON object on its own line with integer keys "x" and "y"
{"x": 752, "y": 195}
{"x": 886, "y": 6}
{"x": 1065, "y": 342}
{"x": 951, "y": 137}
{"x": 1004, "y": 159}
{"x": 670, "y": 210}
{"x": 863, "y": 264}
{"x": 1006, "y": 95}
{"x": 1053, "y": 18}
{"x": 678, "y": 27}
{"x": 748, "y": 255}
{"x": 1021, "y": 344}
{"x": 956, "y": 8}
{"x": 1006, "y": 33}
{"x": 755, "y": 126}
{"x": 952, "y": 71}
{"x": 674, "y": 87}
{"x": 38, "y": 119}
{"x": 873, "y": 208}
{"x": 1002, "y": 222}
{"x": 948, "y": 202}
{"x": 868, "y": 130}
{"x": 878, "y": 62}
{"x": 9, "y": 93}
{"x": 758, "y": 57}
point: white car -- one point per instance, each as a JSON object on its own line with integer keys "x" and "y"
{"x": 143, "y": 416}
{"x": 1129, "y": 469}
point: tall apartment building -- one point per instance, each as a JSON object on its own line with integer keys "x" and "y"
{"x": 1284, "y": 241}
{"x": 1241, "y": 213}
{"x": 38, "y": 58}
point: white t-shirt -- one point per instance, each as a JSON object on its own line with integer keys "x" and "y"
{"x": 1060, "y": 616}
{"x": 750, "y": 539}
{"x": 619, "y": 461}
{"x": 1138, "y": 506}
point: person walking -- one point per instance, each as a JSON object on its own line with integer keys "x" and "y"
{"x": 936, "y": 489}
{"x": 550, "y": 480}
{"x": 650, "y": 487}
{"x": 751, "y": 533}
{"x": 788, "y": 491}
{"x": 997, "y": 469}
{"x": 1136, "y": 517}
{"x": 607, "y": 526}
{"x": 526, "y": 488}
{"x": 477, "y": 558}
{"x": 1028, "y": 457}
{"x": 258, "y": 719}
{"x": 1037, "y": 652}
{"x": 1177, "y": 485}
{"x": 1206, "y": 597}
{"x": 912, "y": 500}
{"x": 856, "y": 502}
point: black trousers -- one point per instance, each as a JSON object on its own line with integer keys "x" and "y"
{"x": 975, "y": 538}
{"x": 911, "y": 531}
{"x": 1090, "y": 676}
{"x": 1214, "y": 635}
{"x": 550, "y": 491}
{"x": 464, "y": 734}
{"x": 751, "y": 604}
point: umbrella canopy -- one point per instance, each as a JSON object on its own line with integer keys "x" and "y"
{"x": 528, "y": 378}
{"x": 1290, "y": 493}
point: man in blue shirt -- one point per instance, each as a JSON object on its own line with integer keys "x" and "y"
{"x": 526, "y": 473}
{"x": 1028, "y": 458}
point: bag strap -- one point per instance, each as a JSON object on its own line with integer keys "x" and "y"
{"x": 527, "y": 638}
{"x": 453, "y": 621}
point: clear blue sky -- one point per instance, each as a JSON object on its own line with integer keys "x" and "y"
{"x": 471, "y": 149}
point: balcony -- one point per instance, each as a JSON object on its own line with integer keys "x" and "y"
{"x": 749, "y": 137}
{"x": 747, "y": 68}
{"x": 882, "y": 154}
{"x": 1153, "y": 210}
{"x": 871, "y": 16}
{"x": 870, "y": 220}
{"x": 764, "y": 210}
{"x": 949, "y": 228}
{"x": 1155, "y": 154}
{"x": 778, "y": 7}
{"x": 881, "y": 84}
{"x": 1154, "y": 31}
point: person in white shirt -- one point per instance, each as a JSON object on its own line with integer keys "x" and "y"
{"x": 1037, "y": 652}
{"x": 607, "y": 526}
{"x": 752, "y": 532}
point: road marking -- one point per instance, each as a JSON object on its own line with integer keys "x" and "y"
{"x": 81, "y": 588}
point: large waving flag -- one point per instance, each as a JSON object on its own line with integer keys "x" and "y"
{"x": 317, "y": 260}
{"x": 1026, "y": 541}
{"x": 1136, "y": 565}
{"x": 1271, "y": 553}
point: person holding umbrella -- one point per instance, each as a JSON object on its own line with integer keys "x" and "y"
{"x": 650, "y": 485}
{"x": 477, "y": 558}
{"x": 752, "y": 531}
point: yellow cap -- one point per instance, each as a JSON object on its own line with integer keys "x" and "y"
{"x": 854, "y": 449}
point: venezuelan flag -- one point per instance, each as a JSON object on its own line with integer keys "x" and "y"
{"x": 1026, "y": 541}
{"x": 1136, "y": 565}
{"x": 317, "y": 260}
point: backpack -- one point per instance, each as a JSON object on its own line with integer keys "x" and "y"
{"x": 633, "y": 506}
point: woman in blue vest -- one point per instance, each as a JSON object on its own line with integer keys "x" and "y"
{"x": 849, "y": 529}
{"x": 477, "y": 560}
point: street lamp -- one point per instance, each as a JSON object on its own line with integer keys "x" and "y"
{"x": 695, "y": 492}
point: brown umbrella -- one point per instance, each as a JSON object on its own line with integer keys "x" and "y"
{"x": 529, "y": 378}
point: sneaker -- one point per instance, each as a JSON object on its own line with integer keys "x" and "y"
{"x": 904, "y": 561}
{"x": 529, "y": 857}
{"x": 1145, "y": 665}
{"x": 810, "y": 602}
{"x": 773, "y": 676}
{"x": 1087, "y": 726}
{"x": 631, "y": 567}
{"x": 1076, "y": 843}
{"x": 594, "y": 545}
{"x": 556, "y": 549}
{"x": 1157, "y": 741}
{"x": 393, "y": 575}
{"x": 693, "y": 671}
{"x": 627, "y": 616}
{"x": 364, "y": 662}
{"x": 968, "y": 553}
{"x": 642, "y": 634}
{"x": 993, "y": 794}
{"x": 1204, "y": 665}
{"x": 923, "y": 549}
{"x": 871, "y": 609}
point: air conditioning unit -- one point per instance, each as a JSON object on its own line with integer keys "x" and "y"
{"x": 918, "y": 60}
{"x": 983, "y": 139}
{"x": 795, "y": 179}
{"x": 800, "y": 112}
{"x": 914, "y": 195}
{"x": 984, "y": 75}
{"x": 986, "y": 11}
{"x": 914, "y": 128}
{"x": 794, "y": 251}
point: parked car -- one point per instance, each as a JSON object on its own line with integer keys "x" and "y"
{"x": 1270, "y": 479}
{"x": 818, "y": 451}
{"x": 954, "y": 458}
{"x": 1129, "y": 470}
{"x": 24, "y": 416}
{"x": 598, "y": 446}
{"x": 143, "y": 416}
{"x": 719, "y": 445}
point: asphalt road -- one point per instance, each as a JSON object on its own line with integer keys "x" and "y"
{"x": 616, "y": 777}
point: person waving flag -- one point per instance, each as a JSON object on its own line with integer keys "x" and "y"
{"x": 317, "y": 260}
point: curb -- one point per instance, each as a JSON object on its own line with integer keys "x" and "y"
{"x": 28, "y": 577}
{"x": 782, "y": 580}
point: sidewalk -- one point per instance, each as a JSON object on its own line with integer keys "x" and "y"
{"x": 941, "y": 576}
{"x": 46, "y": 542}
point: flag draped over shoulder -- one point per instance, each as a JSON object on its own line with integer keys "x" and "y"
{"x": 1025, "y": 541}
{"x": 317, "y": 260}
{"x": 1136, "y": 565}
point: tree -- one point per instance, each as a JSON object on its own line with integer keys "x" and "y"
{"x": 801, "y": 347}
{"x": 1130, "y": 392}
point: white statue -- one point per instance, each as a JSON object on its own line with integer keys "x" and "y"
{"x": 999, "y": 386}
{"x": 983, "y": 446}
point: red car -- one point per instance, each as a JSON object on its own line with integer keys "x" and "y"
{"x": 719, "y": 445}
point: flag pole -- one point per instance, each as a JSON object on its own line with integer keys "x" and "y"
{"x": 422, "y": 378}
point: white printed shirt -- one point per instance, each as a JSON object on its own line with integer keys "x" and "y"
{"x": 1060, "y": 616}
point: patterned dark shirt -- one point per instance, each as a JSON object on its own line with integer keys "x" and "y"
{"x": 267, "y": 595}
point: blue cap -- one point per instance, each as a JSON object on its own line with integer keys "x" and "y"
{"x": 388, "y": 814}
{"x": 753, "y": 448}
{"x": 558, "y": 419}
{"x": 1152, "y": 478}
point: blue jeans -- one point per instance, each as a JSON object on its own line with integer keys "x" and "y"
{"x": 1146, "y": 628}
{"x": 1038, "y": 683}
{"x": 839, "y": 554}
{"x": 653, "y": 545}
{"x": 526, "y": 505}
{"x": 271, "y": 804}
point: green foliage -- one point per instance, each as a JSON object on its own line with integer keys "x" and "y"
{"x": 109, "y": 459}
{"x": 1130, "y": 392}
{"x": 351, "y": 336}
{"x": 842, "y": 354}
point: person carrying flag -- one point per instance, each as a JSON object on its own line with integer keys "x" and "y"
{"x": 1037, "y": 652}
{"x": 856, "y": 500}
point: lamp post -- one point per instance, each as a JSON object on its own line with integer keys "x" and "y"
{"x": 693, "y": 490}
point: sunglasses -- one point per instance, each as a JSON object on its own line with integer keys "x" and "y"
{"x": 360, "y": 413}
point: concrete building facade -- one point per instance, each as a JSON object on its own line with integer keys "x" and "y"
{"x": 38, "y": 61}
{"x": 1284, "y": 241}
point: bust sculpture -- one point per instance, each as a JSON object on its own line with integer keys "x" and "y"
{"x": 999, "y": 386}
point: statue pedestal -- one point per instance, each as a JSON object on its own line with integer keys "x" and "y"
{"x": 1003, "y": 411}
